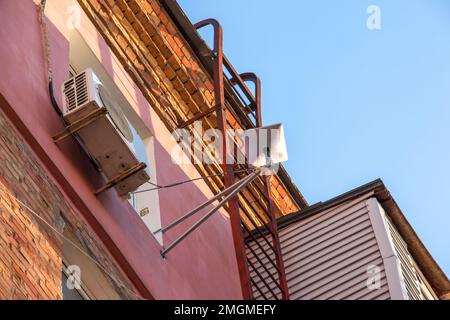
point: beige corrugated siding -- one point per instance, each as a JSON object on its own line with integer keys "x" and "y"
{"x": 410, "y": 275}
{"x": 327, "y": 256}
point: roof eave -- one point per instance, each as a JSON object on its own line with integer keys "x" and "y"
{"x": 429, "y": 267}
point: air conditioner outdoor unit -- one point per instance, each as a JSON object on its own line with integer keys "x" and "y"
{"x": 105, "y": 133}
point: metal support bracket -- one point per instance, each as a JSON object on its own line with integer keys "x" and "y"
{"x": 231, "y": 192}
{"x": 80, "y": 124}
{"x": 198, "y": 116}
{"x": 120, "y": 177}
{"x": 200, "y": 207}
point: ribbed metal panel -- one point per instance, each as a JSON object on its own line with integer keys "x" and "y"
{"x": 327, "y": 255}
{"x": 408, "y": 270}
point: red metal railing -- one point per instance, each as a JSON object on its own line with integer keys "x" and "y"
{"x": 260, "y": 272}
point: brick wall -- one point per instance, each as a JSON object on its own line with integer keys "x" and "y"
{"x": 30, "y": 252}
{"x": 160, "y": 61}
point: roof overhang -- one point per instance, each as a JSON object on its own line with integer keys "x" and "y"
{"x": 429, "y": 267}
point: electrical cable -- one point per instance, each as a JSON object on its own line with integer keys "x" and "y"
{"x": 158, "y": 187}
{"x": 47, "y": 55}
{"x": 48, "y": 224}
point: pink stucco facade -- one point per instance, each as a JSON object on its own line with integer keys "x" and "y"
{"x": 204, "y": 265}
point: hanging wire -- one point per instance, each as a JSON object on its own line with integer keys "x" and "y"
{"x": 47, "y": 55}
{"x": 44, "y": 30}
{"x": 158, "y": 187}
{"x": 119, "y": 283}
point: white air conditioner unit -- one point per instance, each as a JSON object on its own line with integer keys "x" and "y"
{"x": 108, "y": 139}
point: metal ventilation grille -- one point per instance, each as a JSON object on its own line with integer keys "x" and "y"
{"x": 69, "y": 93}
{"x": 81, "y": 88}
{"x": 76, "y": 92}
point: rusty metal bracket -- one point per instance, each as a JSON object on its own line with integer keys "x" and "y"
{"x": 198, "y": 116}
{"x": 80, "y": 124}
{"x": 120, "y": 177}
{"x": 228, "y": 194}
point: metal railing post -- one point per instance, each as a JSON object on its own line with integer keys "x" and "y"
{"x": 273, "y": 219}
{"x": 219, "y": 98}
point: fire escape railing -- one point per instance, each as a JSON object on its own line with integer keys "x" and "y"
{"x": 254, "y": 227}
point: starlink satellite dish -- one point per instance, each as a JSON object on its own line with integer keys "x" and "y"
{"x": 265, "y": 146}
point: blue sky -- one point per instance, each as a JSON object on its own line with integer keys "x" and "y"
{"x": 357, "y": 104}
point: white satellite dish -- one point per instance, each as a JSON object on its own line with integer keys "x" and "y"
{"x": 265, "y": 146}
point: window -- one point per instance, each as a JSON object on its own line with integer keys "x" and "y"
{"x": 81, "y": 276}
{"x": 146, "y": 203}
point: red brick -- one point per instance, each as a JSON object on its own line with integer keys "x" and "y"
{"x": 30, "y": 254}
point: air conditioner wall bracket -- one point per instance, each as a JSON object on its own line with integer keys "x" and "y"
{"x": 80, "y": 124}
{"x": 121, "y": 177}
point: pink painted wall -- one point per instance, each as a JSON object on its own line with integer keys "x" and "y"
{"x": 203, "y": 266}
